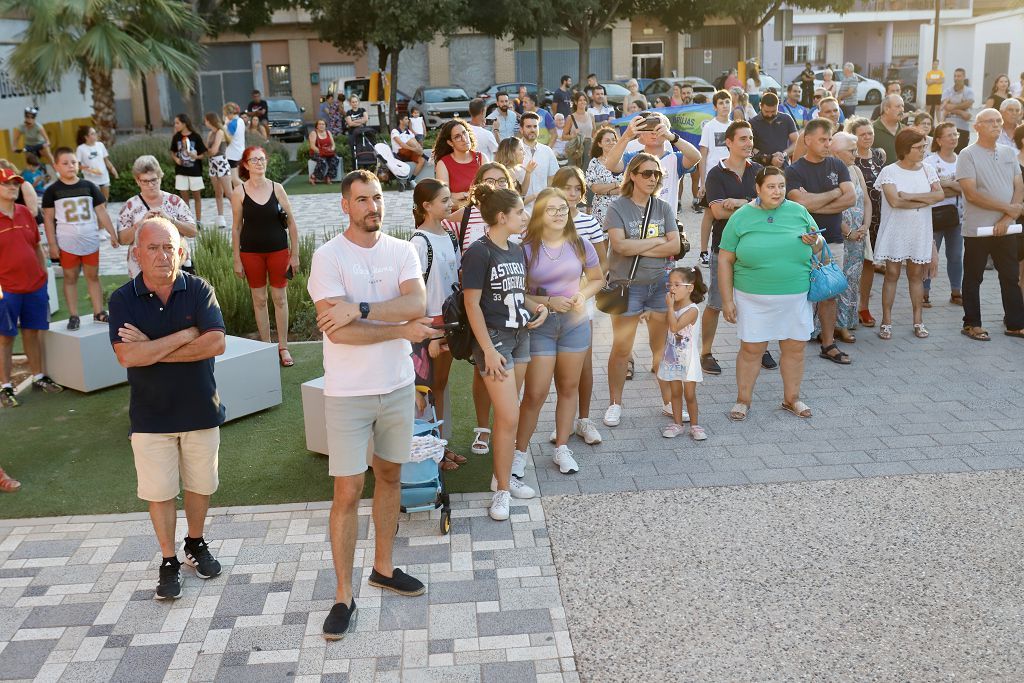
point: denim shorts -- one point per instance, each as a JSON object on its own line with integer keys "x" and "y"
{"x": 650, "y": 297}
{"x": 513, "y": 345}
{"x": 561, "y": 333}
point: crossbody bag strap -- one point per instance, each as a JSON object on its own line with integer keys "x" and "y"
{"x": 464, "y": 225}
{"x": 643, "y": 231}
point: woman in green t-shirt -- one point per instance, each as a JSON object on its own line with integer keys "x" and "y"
{"x": 764, "y": 266}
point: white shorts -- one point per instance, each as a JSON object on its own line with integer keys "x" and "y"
{"x": 188, "y": 182}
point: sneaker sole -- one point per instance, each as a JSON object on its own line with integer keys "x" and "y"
{"x": 195, "y": 566}
{"x": 351, "y": 627}
{"x": 382, "y": 586}
{"x": 567, "y": 471}
{"x": 498, "y": 519}
{"x": 168, "y": 597}
{"x": 591, "y": 442}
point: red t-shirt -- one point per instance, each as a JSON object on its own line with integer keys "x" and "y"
{"x": 20, "y": 272}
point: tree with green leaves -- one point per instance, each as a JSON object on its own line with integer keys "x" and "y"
{"x": 95, "y": 37}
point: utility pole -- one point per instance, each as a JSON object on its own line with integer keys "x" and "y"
{"x": 935, "y": 31}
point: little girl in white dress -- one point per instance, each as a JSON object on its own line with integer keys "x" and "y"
{"x": 680, "y": 364}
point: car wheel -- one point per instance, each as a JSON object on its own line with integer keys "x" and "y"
{"x": 910, "y": 95}
{"x": 874, "y": 97}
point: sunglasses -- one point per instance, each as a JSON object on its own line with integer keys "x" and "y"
{"x": 649, "y": 173}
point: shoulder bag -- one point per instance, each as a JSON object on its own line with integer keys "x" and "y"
{"x": 613, "y": 298}
{"x": 827, "y": 279}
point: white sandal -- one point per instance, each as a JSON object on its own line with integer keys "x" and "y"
{"x": 479, "y": 446}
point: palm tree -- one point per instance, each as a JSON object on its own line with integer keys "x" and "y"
{"x": 94, "y": 37}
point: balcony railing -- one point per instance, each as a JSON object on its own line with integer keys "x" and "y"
{"x": 906, "y": 5}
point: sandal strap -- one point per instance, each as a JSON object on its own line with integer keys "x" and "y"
{"x": 481, "y": 430}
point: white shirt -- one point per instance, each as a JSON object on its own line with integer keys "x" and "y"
{"x": 402, "y": 137}
{"x": 92, "y": 157}
{"x": 416, "y": 125}
{"x": 444, "y": 267}
{"x": 237, "y": 145}
{"x": 1015, "y": 89}
{"x": 713, "y": 138}
{"x": 485, "y": 142}
{"x": 602, "y": 113}
{"x": 344, "y": 270}
{"x": 547, "y": 166}
{"x": 945, "y": 170}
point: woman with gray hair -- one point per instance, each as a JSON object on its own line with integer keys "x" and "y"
{"x": 152, "y": 201}
{"x": 856, "y": 220}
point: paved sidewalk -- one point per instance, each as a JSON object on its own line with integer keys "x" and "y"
{"x": 76, "y": 601}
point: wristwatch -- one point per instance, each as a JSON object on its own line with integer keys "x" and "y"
{"x": 675, "y": 139}
{"x": 364, "y": 309}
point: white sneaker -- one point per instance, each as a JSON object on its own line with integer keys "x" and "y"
{"x": 518, "y": 464}
{"x": 613, "y": 415}
{"x": 554, "y": 436}
{"x": 499, "y": 506}
{"x": 666, "y": 410}
{"x": 587, "y": 430}
{"x": 566, "y": 463}
{"x": 517, "y": 488}
{"x": 220, "y": 223}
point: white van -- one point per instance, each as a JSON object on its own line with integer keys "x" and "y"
{"x": 367, "y": 90}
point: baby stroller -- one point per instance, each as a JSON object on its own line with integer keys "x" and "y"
{"x": 389, "y": 166}
{"x": 422, "y": 479}
{"x": 361, "y": 140}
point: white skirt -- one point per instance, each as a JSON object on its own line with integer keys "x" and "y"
{"x": 771, "y": 317}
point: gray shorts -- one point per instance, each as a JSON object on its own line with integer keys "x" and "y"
{"x": 513, "y": 345}
{"x": 352, "y": 421}
{"x": 714, "y": 296}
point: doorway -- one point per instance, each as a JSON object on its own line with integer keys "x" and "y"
{"x": 997, "y": 61}
{"x": 648, "y": 59}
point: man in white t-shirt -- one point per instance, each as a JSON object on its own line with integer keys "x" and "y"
{"x": 486, "y": 143}
{"x": 370, "y": 300}
{"x": 405, "y": 145}
{"x": 547, "y": 162}
{"x": 712, "y": 152}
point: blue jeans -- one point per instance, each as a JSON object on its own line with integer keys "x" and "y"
{"x": 954, "y": 257}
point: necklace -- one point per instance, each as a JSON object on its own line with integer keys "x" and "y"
{"x": 547, "y": 253}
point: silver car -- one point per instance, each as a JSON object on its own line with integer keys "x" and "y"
{"x": 440, "y": 104}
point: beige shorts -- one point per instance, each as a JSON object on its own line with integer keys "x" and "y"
{"x": 191, "y": 183}
{"x": 162, "y": 459}
{"x": 352, "y": 421}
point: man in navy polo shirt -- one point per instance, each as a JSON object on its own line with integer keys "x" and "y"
{"x": 729, "y": 185}
{"x": 166, "y": 328}
{"x": 775, "y": 133}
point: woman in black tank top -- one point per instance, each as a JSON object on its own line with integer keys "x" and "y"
{"x": 265, "y": 241}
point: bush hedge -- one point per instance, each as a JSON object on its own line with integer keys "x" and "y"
{"x": 124, "y": 154}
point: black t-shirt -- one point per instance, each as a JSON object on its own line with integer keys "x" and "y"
{"x": 816, "y": 178}
{"x": 181, "y": 143}
{"x": 257, "y": 109}
{"x": 167, "y": 398}
{"x": 355, "y": 114}
{"x": 500, "y": 274}
{"x": 771, "y": 136}
{"x": 722, "y": 184}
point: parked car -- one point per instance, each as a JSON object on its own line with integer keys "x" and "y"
{"x": 489, "y": 93}
{"x": 440, "y": 104}
{"x": 616, "y": 95}
{"x": 284, "y": 119}
{"x": 663, "y": 86}
{"x": 768, "y": 83}
{"x": 869, "y": 91}
{"x": 906, "y": 74}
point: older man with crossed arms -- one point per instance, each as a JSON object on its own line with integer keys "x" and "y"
{"x": 166, "y": 328}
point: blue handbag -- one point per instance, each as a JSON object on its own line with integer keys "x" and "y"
{"x": 827, "y": 279}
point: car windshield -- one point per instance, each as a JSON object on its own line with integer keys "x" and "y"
{"x": 445, "y": 95}
{"x": 282, "y": 105}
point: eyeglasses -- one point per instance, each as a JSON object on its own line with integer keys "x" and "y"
{"x": 257, "y": 160}
{"x": 460, "y": 137}
{"x": 672, "y": 285}
{"x": 495, "y": 182}
{"x": 557, "y": 210}
{"x": 650, "y": 173}
{"x": 148, "y": 181}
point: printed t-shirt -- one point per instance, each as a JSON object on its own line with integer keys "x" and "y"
{"x": 500, "y": 275}
{"x": 92, "y": 156}
{"x": 74, "y": 212}
{"x": 172, "y": 205}
{"x": 712, "y": 137}
{"x": 559, "y": 276}
{"x": 192, "y": 143}
{"x": 823, "y": 176}
{"x": 344, "y": 270}
{"x": 20, "y": 270}
{"x": 624, "y": 214}
{"x": 770, "y": 256}
{"x": 798, "y": 112}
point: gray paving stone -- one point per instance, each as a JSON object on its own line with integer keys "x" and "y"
{"x": 136, "y": 549}
{"x": 401, "y": 613}
{"x": 941, "y": 465}
{"x": 23, "y": 658}
{"x": 143, "y": 664}
{"x": 830, "y": 472}
{"x": 774, "y": 476}
{"x": 268, "y": 673}
{"x": 618, "y": 484}
{"x": 559, "y": 488}
{"x": 266, "y": 638}
{"x": 507, "y": 672}
{"x": 79, "y": 573}
{"x": 993, "y": 462}
{"x": 880, "y": 469}
{"x": 448, "y": 592}
{"x": 507, "y": 623}
{"x": 225, "y": 530}
{"x": 89, "y": 672}
{"x": 366, "y": 644}
{"x": 236, "y": 601}
{"x": 457, "y": 620}
{"x": 719, "y": 478}
{"x": 49, "y": 616}
{"x": 36, "y": 549}
{"x": 422, "y": 554}
{"x": 264, "y": 554}
{"x": 486, "y": 529}
{"x": 676, "y": 480}
{"x": 790, "y": 460}
{"x": 441, "y": 646}
{"x": 465, "y": 673}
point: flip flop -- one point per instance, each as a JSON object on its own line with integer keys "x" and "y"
{"x": 286, "y": 358}
{"x": 800, "y": 409}
{"x": 739, "y": 412}
{"x": 1019, "y": 334}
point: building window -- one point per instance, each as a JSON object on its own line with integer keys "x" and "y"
{"x": 905, "y": 44}
{"x": 648, "y": 59}
{"x": 803, "y": 49}
{"x": 280, "y": 80}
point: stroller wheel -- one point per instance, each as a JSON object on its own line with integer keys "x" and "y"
{"x": 446, "y": 522}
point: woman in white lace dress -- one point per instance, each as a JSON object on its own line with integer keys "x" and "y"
{"x": 909, "y": 188}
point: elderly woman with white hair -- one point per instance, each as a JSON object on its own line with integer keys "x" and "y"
{"x": 1011, "y": 111}
{"x": 856, "y": 221}
{"x": 150, "y": 202}
{"x": 634, "y": 96}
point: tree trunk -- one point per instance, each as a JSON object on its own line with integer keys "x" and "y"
{"x": 104, "y": 116}
{"x": 583, "y": 40}
{"x": 540, "y": 71}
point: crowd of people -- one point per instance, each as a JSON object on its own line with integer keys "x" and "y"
{"x": 534, "y": 246}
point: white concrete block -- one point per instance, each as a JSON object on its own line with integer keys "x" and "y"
{"x": 313, "y": 415}
{"x": 82, "y": 360}
{"x": 248, "y": 376}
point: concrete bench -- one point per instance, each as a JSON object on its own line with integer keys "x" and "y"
{"x": 82, "y": 360}
{"x": 248, "y": 376}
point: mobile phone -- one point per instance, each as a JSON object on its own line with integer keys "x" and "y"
{"x": 649, "y": 123}
{"x": 289, "y": 274}
{"x": 812, "y": 232}
{"x": 445, "y": 326}
{"x": 536, "y": 316}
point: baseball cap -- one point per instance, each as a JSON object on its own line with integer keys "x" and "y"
{"x": 7, "y": 175}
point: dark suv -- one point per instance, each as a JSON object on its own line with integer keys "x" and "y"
{"x": 284, "y": 118}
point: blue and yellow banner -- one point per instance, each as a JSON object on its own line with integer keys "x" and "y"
{"x": 686, "y": 120}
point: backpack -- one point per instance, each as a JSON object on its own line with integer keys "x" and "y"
{"x": 430, "y": 250}
{"x": 457, "y": 331}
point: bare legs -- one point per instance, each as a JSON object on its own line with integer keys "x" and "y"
{"x": 262, "y": 313}
{"x": 504, "y": 394}
{"x": 791, "y": 367}
{"x": 164, "y": 517}
{"x": 915, "y": 280}
{"x": 197, "y": 196}
{"x": 565, "y": 369}
{"x": 623, "y": 336}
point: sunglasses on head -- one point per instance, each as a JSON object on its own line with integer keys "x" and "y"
{"x": 649, "y": 173}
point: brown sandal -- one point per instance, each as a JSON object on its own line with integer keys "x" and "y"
{"x": 956, "y": 299}
{"x": 976, "y": 333}
{"x": 452, "y": 456}
{"x": 800, "y": 409}
{"x": 285, "y": 357}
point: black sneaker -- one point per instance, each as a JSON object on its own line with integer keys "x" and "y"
{"x": 697, "y": 208}
{"x": 705, "y": 259}
{"x": 47, "y": 385}
{"x": 74, "y": 322}
{"x": 198, "y": 556}
{"x": 340, "y": 620}
{"x": 169, "y": 587}
{"x": 767, "y": 362}
{"x": 7, "y": 399}
{"x": 709, "y": 365}
{"x": 400, "y": 583}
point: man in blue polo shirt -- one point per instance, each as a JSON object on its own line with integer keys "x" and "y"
{"x": 775, "y": 133}
{"x": 166, "y": 328}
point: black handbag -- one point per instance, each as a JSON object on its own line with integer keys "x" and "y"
{"x": 613, "y": 298}
{"x": 684, "y": 243}
{"x": 945, "y": 217}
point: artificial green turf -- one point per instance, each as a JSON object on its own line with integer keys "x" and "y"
{"x": 72, "y": 455}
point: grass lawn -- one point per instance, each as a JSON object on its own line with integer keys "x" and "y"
{"x": 71, "y": 450}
